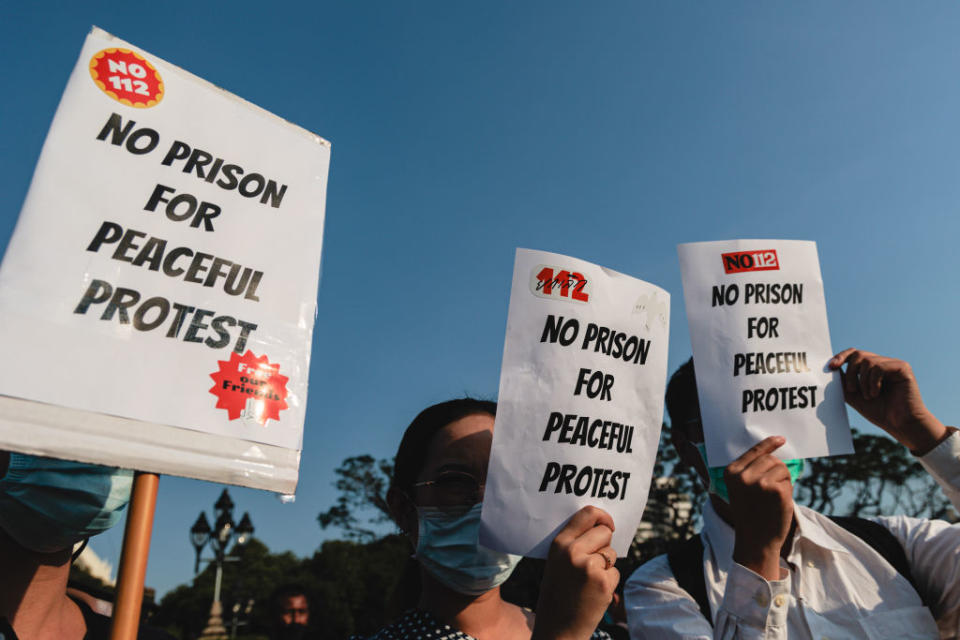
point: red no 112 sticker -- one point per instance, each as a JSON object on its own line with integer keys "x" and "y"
{"x": 127, "y": 77}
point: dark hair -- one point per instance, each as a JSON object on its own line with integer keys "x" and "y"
{"x": 412, "y": 452}
{"x": 682, "y": 401}
{"x": 285, "y": 591}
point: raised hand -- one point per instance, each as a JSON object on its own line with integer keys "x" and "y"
{"x": 761, "y": 502}
{"x": 885, "y": 392}
{"x": 579, "y": 578}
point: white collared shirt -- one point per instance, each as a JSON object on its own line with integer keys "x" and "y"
{"x": 837, "y": 586}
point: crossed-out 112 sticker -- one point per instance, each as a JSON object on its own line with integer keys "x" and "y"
{"x": 250, "y": 387}
{"x": 554, "y": 282}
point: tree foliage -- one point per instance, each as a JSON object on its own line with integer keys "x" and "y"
{"x": 362, "y": 482}
{"x": 673, "y": 505}
{"x": 881, "y": 478}
{"x": 348, "y": 585}
{"x": 253, "y": 575}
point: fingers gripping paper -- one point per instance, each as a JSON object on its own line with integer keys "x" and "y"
{"x": 758, "y": 326}
{"x": 580, "y": 405}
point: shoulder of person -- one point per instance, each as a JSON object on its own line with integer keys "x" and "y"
{"x": 6, "y": 631}
{"x": 649, "y": 574}
{"x": 900, "y": 526}
{"x": 906, "y": 527}
{"x": 98, "y": 626}
{"x": 384, "y": 633}
{"x": 410, "y": 624}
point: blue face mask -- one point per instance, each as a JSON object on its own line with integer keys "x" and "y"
{"x": 447, "y": 548}
{"x": 47, "y": 504}
{"x": 718, "y": 485}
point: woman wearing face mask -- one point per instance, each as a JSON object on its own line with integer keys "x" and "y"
{"x": 435, "y": 495}
{"x": 46, "y": 507}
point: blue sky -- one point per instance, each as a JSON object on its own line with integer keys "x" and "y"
{"x": 609, "y": 131}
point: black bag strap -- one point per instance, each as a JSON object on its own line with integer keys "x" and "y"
{"x": 884, "y": 543}
{"x": 686, "y": 562}
{"x": 686, "y": 559}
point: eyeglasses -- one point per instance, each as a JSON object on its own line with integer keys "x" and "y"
{"x": 455, "y": 488}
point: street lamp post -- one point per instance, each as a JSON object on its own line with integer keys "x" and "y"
{"x": 239, "y": 608}
{"x": 219, "y": 537}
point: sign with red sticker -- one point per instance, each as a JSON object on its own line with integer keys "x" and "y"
{"x": 758, "y": 327}
{"x": 194, "y": 237}
{"x": 580, "y": 403}
{"x": 127, "y": 77}
{"x": 249, "y": 387}
{"x": 741, "y": 261}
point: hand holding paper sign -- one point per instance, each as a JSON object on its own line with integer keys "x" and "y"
{"x": 579, "y": 579}
{"x": 761, "y": 505}
{"x": 885, "y": 392}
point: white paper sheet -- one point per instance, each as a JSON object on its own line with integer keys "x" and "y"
{"x": 164, "y": 267}
{"x": 580, "y": 405}
{"x": 758, "y": 326}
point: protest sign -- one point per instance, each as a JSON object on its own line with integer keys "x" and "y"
{"x": 758, "y": 326}
{"x": 159, "y": 292}
{"x": 580, "y": 405}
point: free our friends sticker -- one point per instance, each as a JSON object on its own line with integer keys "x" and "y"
{"x": 250, "y": 387}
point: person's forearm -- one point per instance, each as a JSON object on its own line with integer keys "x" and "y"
{"x": 943, "y": 464}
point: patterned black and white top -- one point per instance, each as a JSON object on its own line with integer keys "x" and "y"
{"x": 418, "y": 624}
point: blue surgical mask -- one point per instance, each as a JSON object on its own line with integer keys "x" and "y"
{"x": 718, "y": 486}
{"x": 47, "y": 504}
{"x": 448, "y": 548}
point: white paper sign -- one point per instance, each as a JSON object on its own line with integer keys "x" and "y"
{"x": 580, "y": 405}
{"x": 164, "y": 271}
{"x": 758, "y": 326}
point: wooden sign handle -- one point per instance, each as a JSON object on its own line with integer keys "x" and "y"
{"x": 133, "y": 559}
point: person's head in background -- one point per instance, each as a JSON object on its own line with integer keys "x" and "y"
{"x": 436, "y": 491}
{"x": 686, "y": 429}
{"x": 453, "y": 440}
{"x": 291, "y": 612}
{"x": 687, "y": 437}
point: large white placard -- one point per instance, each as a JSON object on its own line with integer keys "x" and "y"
{"x": 159, "y": 292}
{"x": 758, "y": 326}
{"x": 580, "y": 405}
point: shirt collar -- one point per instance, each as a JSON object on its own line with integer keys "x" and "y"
{"x": 815, "y": 527}
{"x": 720, "y": 536}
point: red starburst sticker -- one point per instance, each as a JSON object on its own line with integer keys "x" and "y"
{"x": 127, "y": 77}
{"x": 249, "y": 387}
